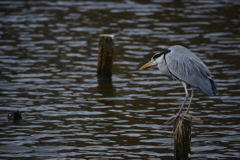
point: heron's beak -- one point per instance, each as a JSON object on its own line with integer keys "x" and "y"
{"x": 150, "y": 63}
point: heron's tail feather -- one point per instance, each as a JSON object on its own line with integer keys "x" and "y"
{"x": 214, "y": 87}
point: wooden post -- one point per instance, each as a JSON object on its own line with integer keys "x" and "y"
{"x": 182, "y": 137}
{"x": 105, "y": 57}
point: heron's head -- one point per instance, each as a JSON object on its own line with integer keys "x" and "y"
{"x": 154, "y": 60}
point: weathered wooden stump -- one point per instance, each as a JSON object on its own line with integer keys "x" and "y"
{"x": 105, "y": 57}
{"x": 182, "y": 136}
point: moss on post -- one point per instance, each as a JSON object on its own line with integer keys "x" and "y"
{"x": 105, "y": 57}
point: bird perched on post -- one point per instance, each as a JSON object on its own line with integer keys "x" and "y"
{"x": 187, "y": 68}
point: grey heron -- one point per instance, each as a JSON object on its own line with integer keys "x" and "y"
{"x": 186, "y": 67}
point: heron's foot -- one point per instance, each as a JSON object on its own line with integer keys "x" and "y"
{"x": 172, "y": 119}
{"x": 184, "y": 116}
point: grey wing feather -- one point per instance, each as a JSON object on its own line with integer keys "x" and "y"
{"x": 186, "y": 66}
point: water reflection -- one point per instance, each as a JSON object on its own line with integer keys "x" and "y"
{"x": 48, "y": 58}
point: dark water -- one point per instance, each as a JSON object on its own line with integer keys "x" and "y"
{"x": 48, "y": 58}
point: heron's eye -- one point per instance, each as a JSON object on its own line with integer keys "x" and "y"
{"x": 156, "y": 56}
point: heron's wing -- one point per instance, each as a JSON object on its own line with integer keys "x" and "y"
{"x": 186, "y": 66}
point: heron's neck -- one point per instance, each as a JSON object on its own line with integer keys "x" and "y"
{"x": 162, "y": 66}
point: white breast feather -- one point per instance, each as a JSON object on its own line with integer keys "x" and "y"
{"x": 162, "y": 66}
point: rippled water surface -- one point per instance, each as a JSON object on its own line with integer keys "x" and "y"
{"x": 48, "y": 58}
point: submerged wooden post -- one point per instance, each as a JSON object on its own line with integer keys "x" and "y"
{"x": 15, "y": 116}
{"x": 182, "y": 137}
{"x": 105, "y": 57}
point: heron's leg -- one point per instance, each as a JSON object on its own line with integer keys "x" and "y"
{"x": 180, "y": 110}
{"x": 192, "y": 94}
{"x": 187, "y": 95}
